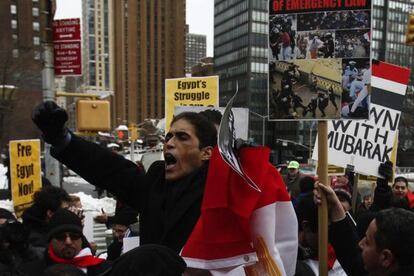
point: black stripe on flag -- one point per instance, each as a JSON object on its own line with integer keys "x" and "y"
{"x": 386, "y": 98}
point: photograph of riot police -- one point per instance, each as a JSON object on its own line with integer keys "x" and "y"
{"x": 352, "y": 43}
{"x": 356, "y": 75}
{"x": 282, "y": 37}
{"x": 305, "y": 89}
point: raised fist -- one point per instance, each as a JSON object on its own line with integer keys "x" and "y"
{"x": 51, "y": 119}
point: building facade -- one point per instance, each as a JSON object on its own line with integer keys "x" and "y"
{"x": 240, "y": 57}
{"x": 390, "y": 19}
{"x": 96, "y": 45}
{"x": 149, "y": 47}
{"x": 20, "y": 66}
{"x": 195, "y": 50}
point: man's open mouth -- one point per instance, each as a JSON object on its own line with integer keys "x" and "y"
{"x": 170, "y": 160}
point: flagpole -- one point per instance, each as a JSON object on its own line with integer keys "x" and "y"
{"x": 323, "y": 208}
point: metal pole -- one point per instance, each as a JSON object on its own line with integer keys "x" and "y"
{"x": 46, "y": 7}
{"x": 263, "y": 131}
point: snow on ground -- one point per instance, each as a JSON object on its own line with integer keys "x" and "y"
{"x": 3, "y": 179}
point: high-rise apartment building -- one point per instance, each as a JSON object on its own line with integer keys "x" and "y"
{"x": 195, "y": 50}
{"x": 390, "y": 19}
{"x": 20, "y": 66}
{"x": 240, "y": 56}
{"x": 149, "y": 46}
{"x": 96, "y": 45}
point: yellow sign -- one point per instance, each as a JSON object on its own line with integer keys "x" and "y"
{"x": 24, "y": 172}
{"x": 201, "y": 91}
{"x": 335, "y": 170}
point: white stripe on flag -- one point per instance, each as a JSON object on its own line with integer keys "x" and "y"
{"x": 388, "y": 85}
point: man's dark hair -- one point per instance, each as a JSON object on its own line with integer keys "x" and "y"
{"x": 401, "y": 179}
{"x": 212, "y": 115}
{"x": 63, "y": 270}
{"x": 204, "y": 129}
{"x": 306, "y": 184}
{"x": 50, "y": 198}
{"x": 395, "y": 228}
{"x": 306, "y": 209}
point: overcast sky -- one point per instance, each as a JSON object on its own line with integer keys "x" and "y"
{"x": 200, "y": 16}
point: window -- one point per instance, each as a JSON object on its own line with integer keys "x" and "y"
{"x": 15, "y": 53}
{"x": 36, "y": 40}
{"x": 13, "y": 9}
{"x": 36, "y": 55}
{"x": 14, "y": 24}
{"x": 35, "y": 11}
{"x": 36, "y": 26}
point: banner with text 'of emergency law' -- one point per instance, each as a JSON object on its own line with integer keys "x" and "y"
{"x": 25, "y": 172}
{"x": 319, "y": 59}
{"x": 367, "y": 143}
{"x": 194, "y": 91}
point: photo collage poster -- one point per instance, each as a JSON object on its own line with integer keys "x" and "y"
{"x": 319, "y": 59}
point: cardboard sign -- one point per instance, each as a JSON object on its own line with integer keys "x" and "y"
{"x": 319, "y": 59}
{"x": 367, "y": 143}
{"x": 25, "y": 172}
{"x": 200, "y": 91}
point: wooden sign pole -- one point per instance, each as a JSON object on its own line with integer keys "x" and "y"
{"x": 323, "y": 208}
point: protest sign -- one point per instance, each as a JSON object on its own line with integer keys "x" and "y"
{"x": 200, "y": 91}
{"x": 367, "y": 143}
{"x": 319, "y": 59}
{"x": 25, "y": 172}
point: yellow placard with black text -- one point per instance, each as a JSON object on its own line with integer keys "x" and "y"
{"x": 194, "y": 91}
{"x": 25, "y": 172}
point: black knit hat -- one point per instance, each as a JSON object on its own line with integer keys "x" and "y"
{"x": 6, "y": 214}
{"x": 124, "y": 218}
{"x": 149, "y": 259}
{"x": 64, "y": 221}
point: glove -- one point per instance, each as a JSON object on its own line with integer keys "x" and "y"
{"x": 386, "y": 171}
{"x": 51, "y": 119}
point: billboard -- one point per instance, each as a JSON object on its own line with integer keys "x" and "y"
{"x": 319, "y": 59}
{"x": 67, "y": 47}
{"x": 195, "y": 91}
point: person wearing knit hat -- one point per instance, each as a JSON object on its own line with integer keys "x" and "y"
{"x": 67, "y": 245}
{"x": 293, "y": 178}
{"x": 120, "y": 230}
{"x": 149, "y": 259}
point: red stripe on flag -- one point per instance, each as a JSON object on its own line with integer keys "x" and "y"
{"x": 391, "y": 72}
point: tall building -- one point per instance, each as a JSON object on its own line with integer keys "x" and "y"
{"x": 149, "y": 46}
{"x": 195, "y": 50}
{"x": 390, "y": 19}
{"x": 240, "y": 56}
{"x": 20, "y": 66}
{"x": 96, "y": 45}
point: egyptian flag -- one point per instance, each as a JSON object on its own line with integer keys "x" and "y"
{"x": 240, "y": 225}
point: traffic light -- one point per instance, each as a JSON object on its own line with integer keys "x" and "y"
{"x": 122, "y": 133}
{"x": 410, "y": 30}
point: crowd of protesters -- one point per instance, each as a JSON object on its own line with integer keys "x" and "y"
{"x": 373, "y": 239}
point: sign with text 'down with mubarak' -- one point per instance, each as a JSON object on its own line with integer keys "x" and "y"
{"x": 367, "y": 143}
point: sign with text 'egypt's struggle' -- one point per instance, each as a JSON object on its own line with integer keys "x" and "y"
{"x": 367, "y": 143}
{"x": 195, "y": 91}
{"x": 25, "y": 172}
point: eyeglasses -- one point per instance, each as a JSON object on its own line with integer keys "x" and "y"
{"x": 63, "y": 236}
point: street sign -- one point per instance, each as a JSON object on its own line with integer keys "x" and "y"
{"x": 67, "y": 56}
{"x": 67, "y": 47}
{"x": 66, "y": 30}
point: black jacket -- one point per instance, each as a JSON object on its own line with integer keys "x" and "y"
{"x": 168, "y": 213}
